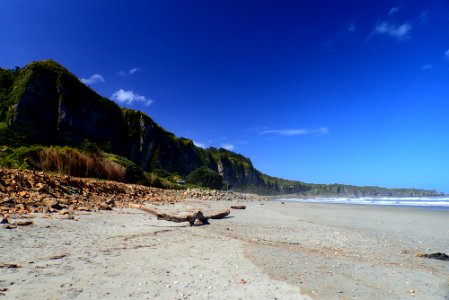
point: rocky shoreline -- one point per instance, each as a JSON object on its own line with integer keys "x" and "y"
{"x": 25, "y": 192}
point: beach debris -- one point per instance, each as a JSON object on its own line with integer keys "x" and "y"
{"x": 58, "y": 256}
{"x": 437, "y": 255}
{"x": 9, "y": 266}
{"x": 190, "y": 217}
{"x": 25, "y": 191}
{"x": 242, "y": 281}
{"x": 104, "y": 206}
{"x": 238, "y": 207}
{"x": 218, "y": 214}
{"x": 24, "y": 223}
{"x": 3, "y": 291}
{"x": 4, "y": 221}
{"x": 19, "y": 223}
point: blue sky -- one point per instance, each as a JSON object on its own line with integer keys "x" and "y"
{"x": 351, "y": 92}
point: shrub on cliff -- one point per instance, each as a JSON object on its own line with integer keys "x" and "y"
{"x": 63, "y": 160}
{"x": 205, "y": 177}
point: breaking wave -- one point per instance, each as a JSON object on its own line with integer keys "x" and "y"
{"x": 435, "y": 202}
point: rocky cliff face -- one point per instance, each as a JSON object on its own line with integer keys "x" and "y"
{"x": 49, "y": 105}
{"x": 52, "y": 106}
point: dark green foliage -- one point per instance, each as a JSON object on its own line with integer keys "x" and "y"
{"x": 205, "y": 177}
{"x": 6, "y": 84}
{"x": 89, "y": 147}
{"x": 161, "y": 173}
{"x": 18, "y": 157}
{"x": 133, "y": 173}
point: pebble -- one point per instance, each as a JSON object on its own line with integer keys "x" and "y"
{"x": 25, "y": 191}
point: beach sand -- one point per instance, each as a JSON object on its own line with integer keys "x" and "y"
{"x": 269, "y": 250}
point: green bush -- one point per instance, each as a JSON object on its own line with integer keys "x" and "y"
{"x": 205, "y": 177}
{"x": 133, "y": 173}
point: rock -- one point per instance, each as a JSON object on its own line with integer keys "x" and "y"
{"x": 111, "y": 202}
{"x": 9, "y": 266}
{"x": 7, "y": 201}
{"x": 24, "y": 223}
{"x": 58, "y": 256}
{"x": 238, "y": 207}
{"x": 50, "y": 202}
{"x": 437, "y": 255}
{"x": 104, "y": 206}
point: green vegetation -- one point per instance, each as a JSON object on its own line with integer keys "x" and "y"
{"x": 63, "y": 160}
{"x": 205, "y": 177}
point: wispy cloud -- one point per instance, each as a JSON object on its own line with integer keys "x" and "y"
{"x": 229, "y": 147}
{"x": 399, "y": 32}
{"x": 446, "y": 54}
{"x": 95, "y": 78}
{"x": 393, "y": 10}
{"x": 426, "y": 67}
{"x": 134, "y": 70}
{"x": 345, "y": 34}
{"x": 351, "y": 28}
{"x": 129, "y": 72}
{"x": 129, "y": 97}
{"x": 294, "y": 132}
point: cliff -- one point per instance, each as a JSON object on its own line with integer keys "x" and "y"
{"x": 45, "y": 104}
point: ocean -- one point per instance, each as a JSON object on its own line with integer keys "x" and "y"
{"x": 419, "y": 202}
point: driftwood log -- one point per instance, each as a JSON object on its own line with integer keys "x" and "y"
{"x": 190, "y": 217}
{"x": 238, "y": 206}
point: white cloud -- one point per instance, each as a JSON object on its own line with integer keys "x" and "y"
{"x": 133, "y": 70}
{"x": 129, "y": 72}
{"x": 294, "y": 132}
{"x": 95, "y": 78}
{"x": 427, "y": 67}
{"x": 229, "y": 147}
{"x": 351, "y": 28}
{"x": 393, "y": 10}
{"x": 400, "y": 32}
{"x": 201, "y": 145}
{"x": 446, "y": 54}
{"x": 129, "y": 97}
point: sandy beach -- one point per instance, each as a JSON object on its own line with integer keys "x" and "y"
{"x": 269, "y": 250}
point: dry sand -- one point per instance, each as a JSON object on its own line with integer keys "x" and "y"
{"x": 267, "y": 251}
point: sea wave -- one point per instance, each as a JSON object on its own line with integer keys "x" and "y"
{"x": 437, "y": 202}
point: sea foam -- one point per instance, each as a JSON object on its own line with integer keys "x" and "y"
{"x": 432, "y": 202}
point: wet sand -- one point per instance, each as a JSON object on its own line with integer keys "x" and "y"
{"x": 350, "y": 251}
{"x": 270, "y": 250}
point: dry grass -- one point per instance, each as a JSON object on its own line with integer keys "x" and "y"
{"x": 74, "y": 163}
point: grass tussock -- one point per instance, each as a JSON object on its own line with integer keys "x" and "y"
{"x": 75, "y": 163}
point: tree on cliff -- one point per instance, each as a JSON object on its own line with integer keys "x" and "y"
{"x": 205, "y": 177}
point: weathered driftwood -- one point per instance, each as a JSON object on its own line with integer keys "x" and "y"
{"x": 238, "y": 206}
{"x": 437, "y": 255}
{"x": 190, "y": 217}
{"x": 219, "y": 214}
